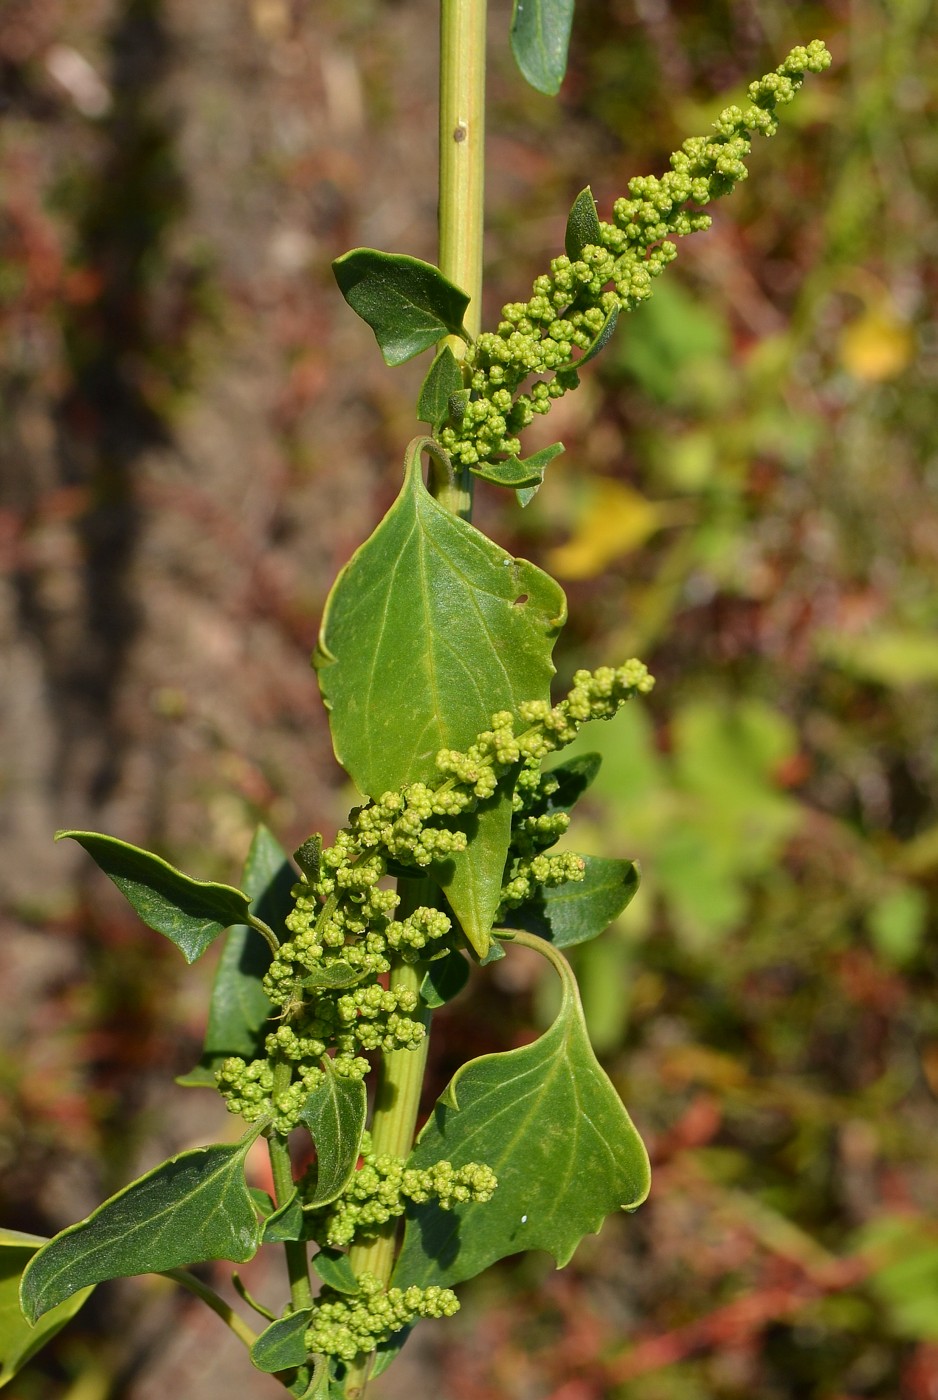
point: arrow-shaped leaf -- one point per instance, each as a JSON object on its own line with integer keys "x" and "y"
{"x": 408, "y": 303}
{"x": 194, "y": 1207}
{"x": 429, "y": 629}
{"x": 579, "y": 909}
{"x": 522, "y": 474}
{"x": 549, "y": 1123}
{"x": 189, "y": 912}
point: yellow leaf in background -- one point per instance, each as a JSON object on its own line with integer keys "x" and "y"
{"x": 878, "y": 345}
{"x": 615, "y": 521}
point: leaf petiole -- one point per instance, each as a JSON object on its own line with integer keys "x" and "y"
{"x": 217, "y": 1304}
{"x": 265, "y": 931}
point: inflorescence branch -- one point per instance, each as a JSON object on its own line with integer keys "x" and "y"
{"x": 571, "y": 304}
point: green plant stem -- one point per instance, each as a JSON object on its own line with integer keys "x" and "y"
{"x": 462, "y": 179}
{"x": 462, "y": 153}
{"x": 397, "y": 1102}
{"x": 295, "y": 1250}
{"x": 462, "y": 174}
{"x": 218, "y": 1305}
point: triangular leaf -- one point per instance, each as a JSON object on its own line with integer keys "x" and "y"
{"x": 583, "y": 227}
{"x": 282, "y": 1345}
{"x": 444, "y": 379}
{"x": 192, "y": 1208}
{"x": 519, "y": 473}
{"x": 408, "y": 303}
{"x": 334, "y": 1113}
{"x": 540, "y": 37}
{"x": 19, "y": 1340}
{"x": 579, "y": 909}
{"x": 189, "y": 912}
{"x": 240, "y": 1008}
{"x": 549, "y": 1123}
{"x": 428, "y": 630}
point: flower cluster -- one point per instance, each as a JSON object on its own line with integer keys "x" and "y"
{"x": 382, "y": 1186}
{"x": 570, "y": 307}
{"x": 344, "y": 929}
{"x": 348, "y": 1326}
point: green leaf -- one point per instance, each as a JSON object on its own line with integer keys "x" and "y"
{"x": 408, "y": 304}
{"x": 519, "y": 473}
{"x": 19, "y": 1340}
{"x": 444, "y": 980}
{"x": 573, "y": 777}
{"x": 549, "y": 1123}
{"x": 189, "y": 912}
{"x": 192, "y": 1208}
{"x": 309, "y": 857}
{"x": 313, "y": 1382}
{"x": 579, "y": 909}
{"x": 240, "y": 1008}
{"x": 603, "y": 336}
{"x": 429, "y": 629}
{"x": 458, "y": 403}
{"x": 282, "y": 1345}
{"x": 334, "y": 975}
{"x": 472, "y": 878}
{"x": 334, "y": 1113}
{"x": 335, "y": 1270}
{"x": 388, "y": 1351}
{"x": 540, "y": 36}
{"x": 300, "y": 1385}
{"x": 444, "y": 378}
{"x": 286, "y": 1224}
{"x": 263, "y": 1201}
{"x": 583, "y": 228}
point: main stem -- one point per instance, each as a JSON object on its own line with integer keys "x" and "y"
{"x": 462, "y": 173}
{"x": 462, "y": 153}
{"x": 462, "y": 168}
{"x": 394, "y": 1120}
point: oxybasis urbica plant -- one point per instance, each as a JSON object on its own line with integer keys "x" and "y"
{"x": 434, "y": 661}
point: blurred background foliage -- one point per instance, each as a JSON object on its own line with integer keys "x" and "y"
{"x": 194, "y": 435}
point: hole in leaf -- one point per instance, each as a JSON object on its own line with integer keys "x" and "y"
{"x": 521, "y": 599}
